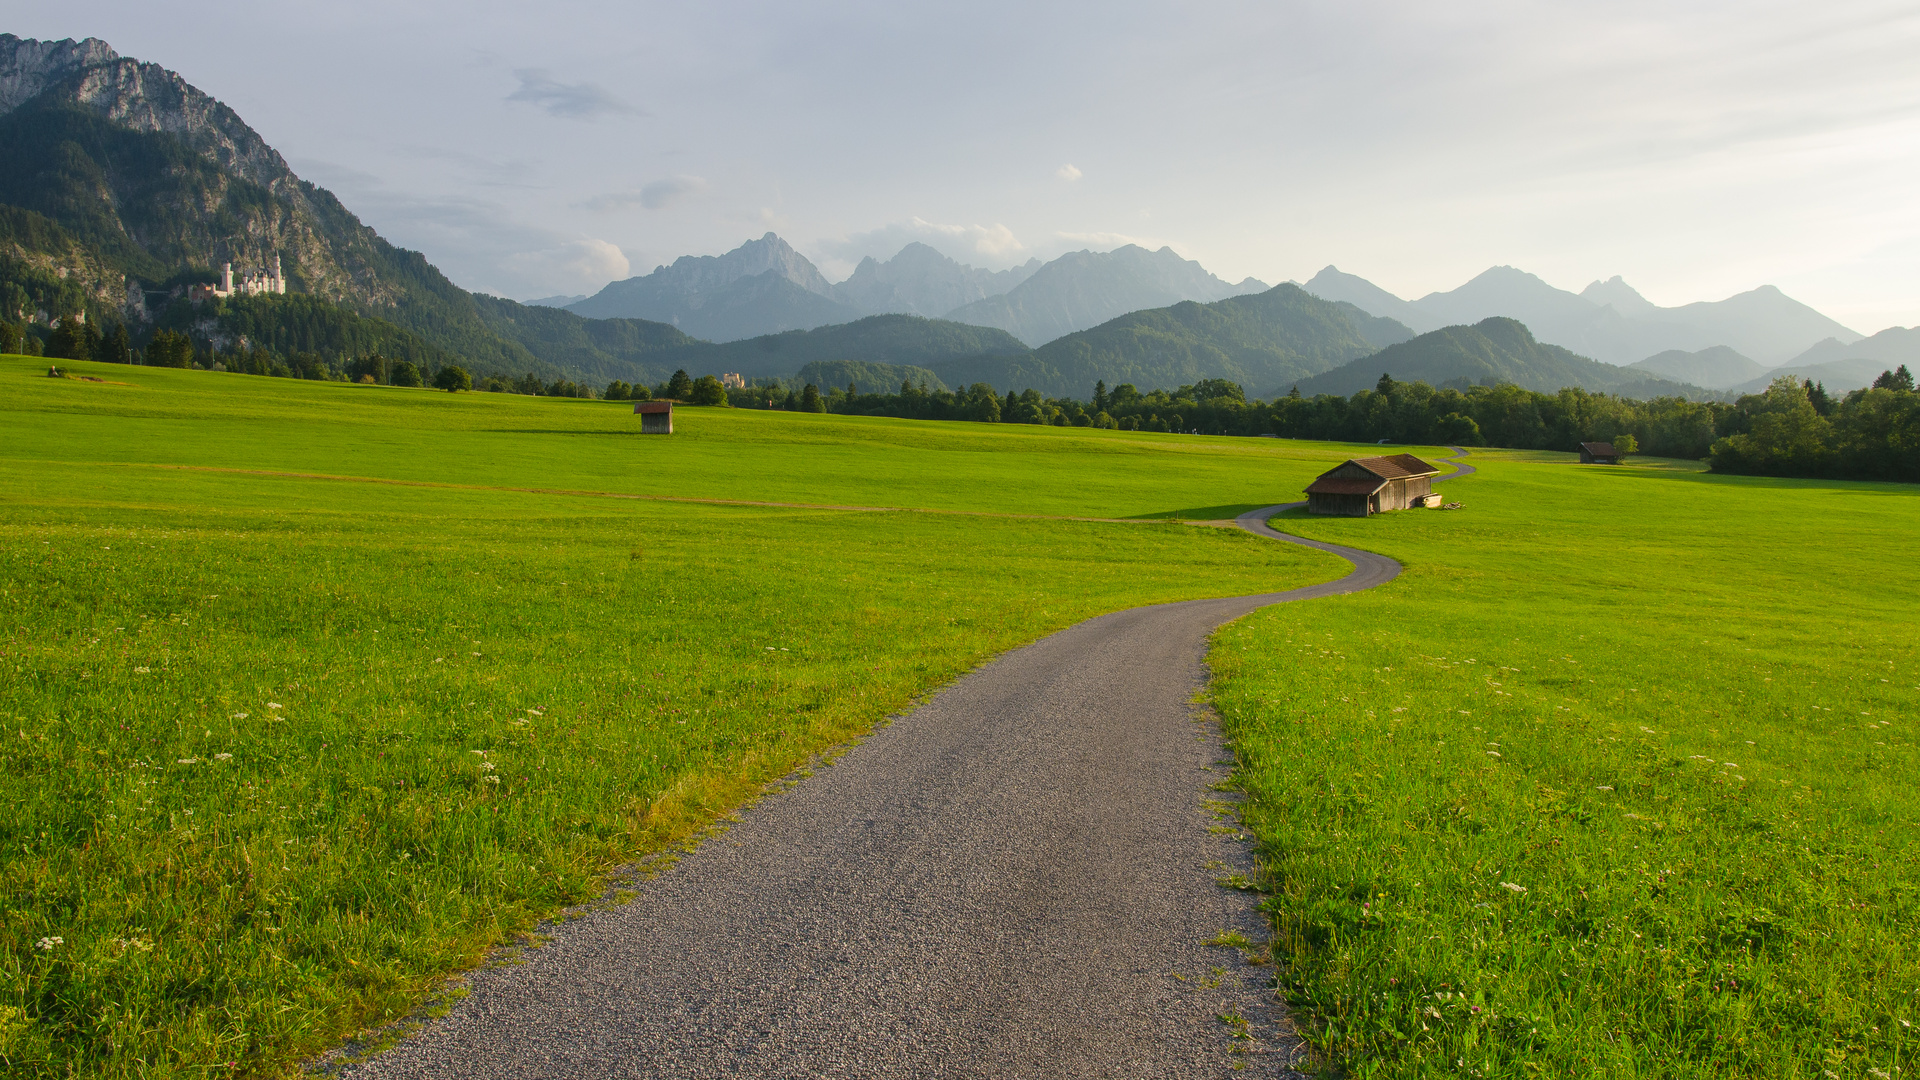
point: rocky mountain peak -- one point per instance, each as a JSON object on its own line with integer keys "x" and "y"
{"x": 691, "y": 274}
{"x": 28, "y": 67}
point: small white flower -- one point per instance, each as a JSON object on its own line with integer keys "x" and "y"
{"x": 223, "y": 757}
{"x": 274, "y": 705}
{"x": 473, "y": 654}
{"x": 1493, "y": 753}
{"x": 239, "y": 716}
{"x": 189, "y": 761}
{"x": 141, "y": 670}
{"x": 46, "y": 944}
{"x": 493, "y": 779}
{"x": 1511, "y": 886}
{"x": 1604, "y": 787}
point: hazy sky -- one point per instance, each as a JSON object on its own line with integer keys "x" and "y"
{"x": 1698, "y": 149}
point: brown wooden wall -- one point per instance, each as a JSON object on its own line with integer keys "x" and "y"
{"x": 1339, "y": 505}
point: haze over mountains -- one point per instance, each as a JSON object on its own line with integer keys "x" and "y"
{"x": 764, "y": 287}
{"x": 129, "y": 185}
{"x": 1607, "y": 321}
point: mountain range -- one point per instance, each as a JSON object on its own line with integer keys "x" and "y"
{"x": 127, "y": 185}
{"x": 1258, "y": 340}
{"x": 1608, "y": 320}
{"x": 922, "y": 281}
{"x": 1839, "y": 366}
{"x": 907, "y": 340}
{"x": 764, "y": 286}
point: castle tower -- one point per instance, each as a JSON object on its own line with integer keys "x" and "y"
{"x": 226, "y": 280}
{"x": 279, "y": 279}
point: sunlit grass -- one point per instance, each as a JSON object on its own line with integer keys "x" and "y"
{"x": 281, "y": 751}
{"x": 1615, "y": 780}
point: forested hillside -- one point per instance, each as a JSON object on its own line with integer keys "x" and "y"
{"x": 1492, "y": 351}
{"x": 877, "y": 339}
{"x": 1263, "y": 341}
{"x": 125, "y": 184}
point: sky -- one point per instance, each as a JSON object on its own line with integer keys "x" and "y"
{"x": 1696, "y": 149}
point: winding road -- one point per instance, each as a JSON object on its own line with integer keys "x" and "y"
{"x": 1015, "y": 879}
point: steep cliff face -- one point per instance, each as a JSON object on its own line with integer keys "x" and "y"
{"x": 27, "y": 66}
{"x": 124, "y": 184}
{"x": 132, "y": 158}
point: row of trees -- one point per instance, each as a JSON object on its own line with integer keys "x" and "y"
{"x": 1797, "y": 429}
{"x": 705, "y": 390}
{"x": 1794, "y": 429}
{"x": 1504, "y": 415}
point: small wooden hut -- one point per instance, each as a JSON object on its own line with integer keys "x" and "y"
{"x": 656, "y": 417}
{"x": 1364, "y": 486}
{"x": 1598, "y": 453}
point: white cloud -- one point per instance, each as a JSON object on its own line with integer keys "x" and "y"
{"x": 577, "y": 101}
{"x": 1069, "y": 173}
{"x": 1107, "y": 241}
{"x": 594, "y": 260}
{"x": 655, "y": 196}
{"x": 994, "y": 245}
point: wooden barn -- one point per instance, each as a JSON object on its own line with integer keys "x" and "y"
{"x": 656, "y": 417}
{"x": 1598, "y": 453}
{"x": 1372, "y": 485}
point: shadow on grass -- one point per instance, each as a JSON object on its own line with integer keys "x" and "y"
{"x": 560, "y": 431}
{"x": 1200, "y": 513}
{"x": 1701, "y": 476}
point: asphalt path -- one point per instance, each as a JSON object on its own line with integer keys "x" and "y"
{"x": 1018, "y": 878}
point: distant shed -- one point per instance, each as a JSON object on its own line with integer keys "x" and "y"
{"x": 656, "y": 417}
{"x": 1598, "y": 453}
{"x": 1364, "y": 486}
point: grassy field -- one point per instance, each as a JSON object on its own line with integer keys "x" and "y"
{"x": 1617, "y": 779}
{"x": 152, "y": 416}
{"x": 315, "y": 692}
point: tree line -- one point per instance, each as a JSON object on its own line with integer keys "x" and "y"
{"x": 1795, "y": 428}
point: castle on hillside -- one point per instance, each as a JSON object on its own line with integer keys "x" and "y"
{"x": 253, "y": 284}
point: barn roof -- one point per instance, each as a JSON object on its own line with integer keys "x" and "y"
{"x": 1383, "y": 469}
{"x": 648, "y": 407}
{"x": 1600, "y": 449}
{"x": 1397, "y": 467}
{"x": 1344, "y": 485}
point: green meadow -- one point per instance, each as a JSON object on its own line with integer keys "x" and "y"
{"x": 314, "y": 693}
{"x": 1616, "y": 780}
